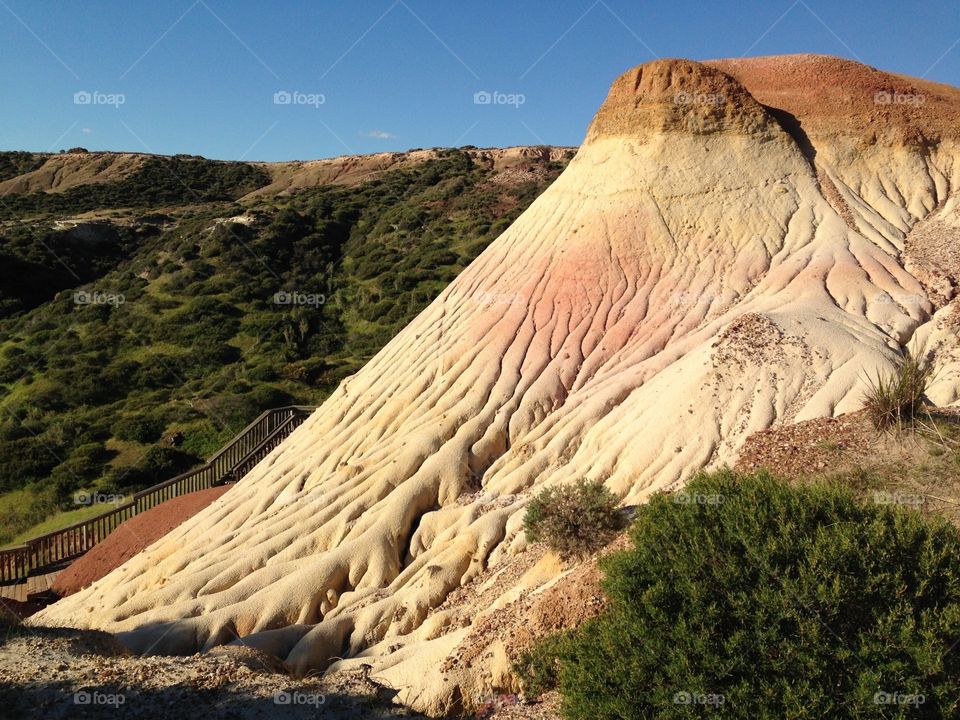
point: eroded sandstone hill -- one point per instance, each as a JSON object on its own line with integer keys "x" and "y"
{"x": 736, "y": 245}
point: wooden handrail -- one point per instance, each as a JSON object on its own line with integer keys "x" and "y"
{"x": 232, "y": 461}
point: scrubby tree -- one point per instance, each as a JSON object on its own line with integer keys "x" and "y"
{"x": 573, "y": 519}
{"x": 749, "y": 598}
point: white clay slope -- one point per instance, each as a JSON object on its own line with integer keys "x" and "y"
{"x": 695, "y": 275}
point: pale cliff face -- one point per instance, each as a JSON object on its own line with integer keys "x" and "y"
{"x": 699, "y": 272}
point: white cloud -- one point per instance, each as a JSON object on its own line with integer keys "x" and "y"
{"x": 86, "y": 131}
{"x": 379, "y": 135}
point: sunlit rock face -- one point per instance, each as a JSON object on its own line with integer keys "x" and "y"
{"x": 736, "y": 244}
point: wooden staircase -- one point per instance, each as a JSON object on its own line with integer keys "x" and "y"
{"x": 27, "y": 571}
{"x": 35, "y": 589}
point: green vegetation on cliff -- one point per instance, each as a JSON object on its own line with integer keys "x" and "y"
{"x": 746, "y": 597}
{"x": 190, "y": 310}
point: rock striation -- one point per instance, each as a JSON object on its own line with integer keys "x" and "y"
{"x": 736, "y": 245}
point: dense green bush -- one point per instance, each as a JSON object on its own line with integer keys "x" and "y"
{"x": 573, "y": 519}
{"x": 25, "y": 460}
{"x": 158, "y": 464}
{"x": 744, "y": 597}
{"x": 46, "y": 265}
{"x": 202, "y": 438}
{"x": 18, "y": 163}
{"x": 139, "y": 428}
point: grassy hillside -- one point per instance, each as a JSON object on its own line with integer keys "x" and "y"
{"x": 161, "y": 181}
{"x": 175, "y": 307}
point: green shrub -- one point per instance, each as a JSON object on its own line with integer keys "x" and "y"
{"x": 537, "y": 667}
{"x": 165, "y": 462}
{"x": 158, "y": 464}
{"x": 139, "y": 428}
{"x": 573, "y": 519}
{"x": 744, "y": 597}
{"x": 895, "y": 398}
{"x": 87, "y": 462}
{"x": 25, "y": 460}
{"x": 202, "y": 438}
{"x": 19, "y": 162}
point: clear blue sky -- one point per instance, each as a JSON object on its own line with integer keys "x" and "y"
{"x": 199, "y": 76}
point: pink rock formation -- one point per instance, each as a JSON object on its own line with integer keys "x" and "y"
{"x": 729, "y": 249}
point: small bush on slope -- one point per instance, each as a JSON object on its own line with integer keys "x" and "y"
{"x": 895, "y": 398}
{"x": 773, "y": 602}
{"x": 573, "y": 519}
{"x": 139, "y": 428}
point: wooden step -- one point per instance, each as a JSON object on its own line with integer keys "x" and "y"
{"x": 16, "y": 592}
{"x": 40, "y": 584}
{"x": 36, "y": 587}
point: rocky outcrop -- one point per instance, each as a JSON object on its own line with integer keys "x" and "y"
{"x": 291, "y": 177}
{"x": 687, "y": 281}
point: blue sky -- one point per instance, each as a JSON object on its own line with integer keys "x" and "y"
{"x": 202, "y": 76}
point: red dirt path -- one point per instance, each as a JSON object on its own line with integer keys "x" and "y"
{"x": 131, "y": 537}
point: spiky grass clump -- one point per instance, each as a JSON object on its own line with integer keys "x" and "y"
{"x": 895, "y": 398}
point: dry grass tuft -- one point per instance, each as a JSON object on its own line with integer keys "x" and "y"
{"x": 895, "y": 399}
